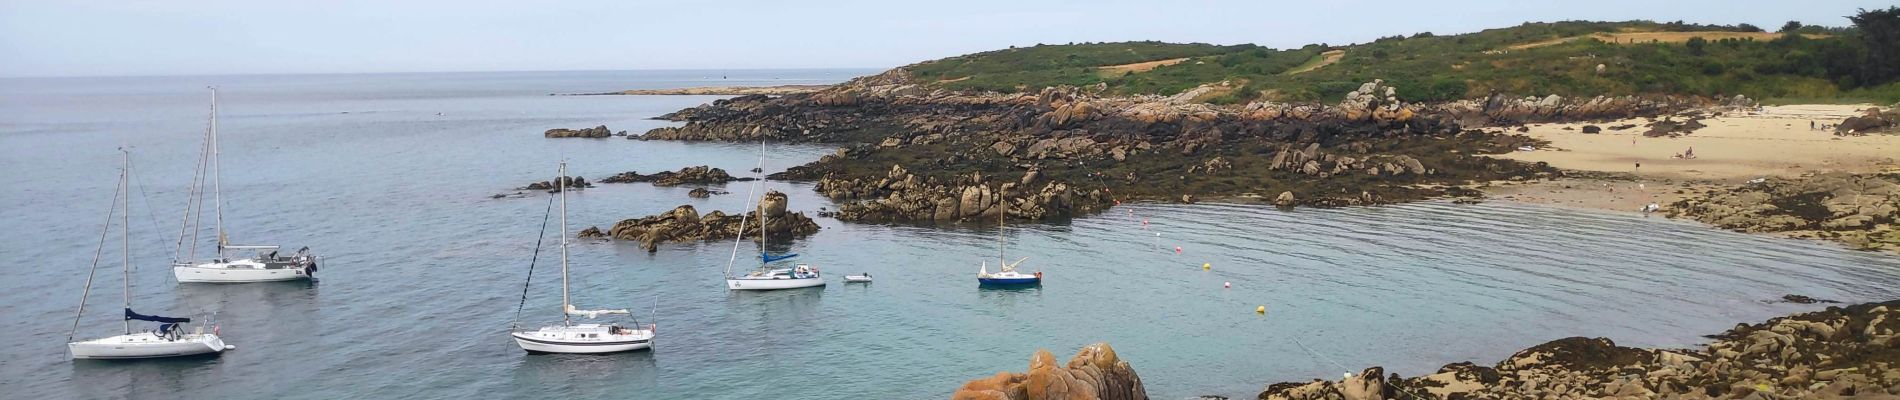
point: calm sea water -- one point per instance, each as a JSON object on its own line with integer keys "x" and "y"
{"x": 389, "y": 177}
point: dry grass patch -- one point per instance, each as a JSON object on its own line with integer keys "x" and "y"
{"x": 1118, "y": 70}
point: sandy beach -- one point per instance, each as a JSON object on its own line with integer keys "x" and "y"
{"x": 1734, "y": 148}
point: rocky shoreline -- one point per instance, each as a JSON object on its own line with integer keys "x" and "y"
{"x": 1069, "y": 151}
{"x": 1861, "y": 211}
{"x": 1839, "y": 352}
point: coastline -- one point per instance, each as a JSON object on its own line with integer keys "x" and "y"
{"x": 778, "y": 90}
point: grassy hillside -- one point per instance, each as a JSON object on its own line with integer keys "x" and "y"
{"x": 1638, "y": 57}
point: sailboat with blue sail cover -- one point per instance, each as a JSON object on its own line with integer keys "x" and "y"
{"x": 169, "y": 340}
{"x": 768, "y": 276}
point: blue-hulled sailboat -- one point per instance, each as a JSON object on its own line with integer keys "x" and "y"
{"x": 1006, "y": 274}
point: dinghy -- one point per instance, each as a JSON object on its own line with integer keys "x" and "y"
{"x": 865, "y": 278}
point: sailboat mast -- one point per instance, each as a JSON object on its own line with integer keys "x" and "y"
{"x": 126, "y": 186}
{"x": 561, "y": 186}
{"x": 96, "y": 253}
{"x": 762, "y": 241}
{"x": 217, "y": 187}
{"x": 1001, "y": 212}
{"x": 750, "y": 193}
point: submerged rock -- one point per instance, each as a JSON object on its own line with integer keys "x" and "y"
{"x": 1094, "y": 373}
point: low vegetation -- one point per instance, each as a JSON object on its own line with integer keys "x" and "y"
{"x": 1573, "y": 58}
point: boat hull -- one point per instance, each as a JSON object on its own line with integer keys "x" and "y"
{"x": 146, "y": 345}
{"x": 773, "y": 284}
{"x": 213, "y": 273}
{"x": 1034, "y": 280}
{"x": 533, "y": 344}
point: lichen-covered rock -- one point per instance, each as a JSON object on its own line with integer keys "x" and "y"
{"x": 1094, "y": 373}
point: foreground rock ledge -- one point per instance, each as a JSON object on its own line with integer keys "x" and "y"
{"x": 1094, "y": 373}
{"x": 684, "y": 224}
{"x": 1840, "y": 352}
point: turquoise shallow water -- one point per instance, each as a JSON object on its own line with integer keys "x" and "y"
{"x": 423, "y": 269}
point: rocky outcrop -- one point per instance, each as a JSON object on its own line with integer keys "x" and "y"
{"x": 1501, "y": 110}
{"x": 700, "y": 175}
{"x": 1669, "y": 127}
{"x": 591, "y": 232}
{"x": 1873, "y": 120}
{"x": 1862, "y": 211}
{"x": 701, "y": 193}
{"x": 1372, "y": 148}
{"x": 685, "y": 224}
{"x": 554, "y": 186}
{"x": 594, "y": 132}
{"x": 1094, "y": 373}
{"x": 1851, "y": 352}
{"x": 900, "y": 195}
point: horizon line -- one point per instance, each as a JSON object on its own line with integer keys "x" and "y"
{"x": 235, "y": 74}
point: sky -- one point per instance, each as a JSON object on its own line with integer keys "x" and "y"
{"x": 214, "y": 37}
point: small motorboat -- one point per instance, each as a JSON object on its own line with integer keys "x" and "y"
{"x": 863, "y": 278}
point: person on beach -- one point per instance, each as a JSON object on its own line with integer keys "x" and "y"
{"x": 1639, "y": 166}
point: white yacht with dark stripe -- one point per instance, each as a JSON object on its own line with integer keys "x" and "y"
{"x": 567, "y": 336}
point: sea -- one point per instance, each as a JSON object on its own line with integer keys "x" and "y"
{"x": 391, "y": 179}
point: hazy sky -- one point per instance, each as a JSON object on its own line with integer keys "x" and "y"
{"x": 171, "y": 37}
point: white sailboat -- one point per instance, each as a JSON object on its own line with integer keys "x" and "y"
{"x": 1006, "y": 274}
{"x": 569, "y": 337}
{"x": 264, "y": 264}
{"x": 169, "y": 340}
{"x": 800, "y": 275}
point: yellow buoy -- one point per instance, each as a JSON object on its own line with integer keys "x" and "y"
{"x": 1207, "y": 266}
{"x": 1260, "y": 310}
